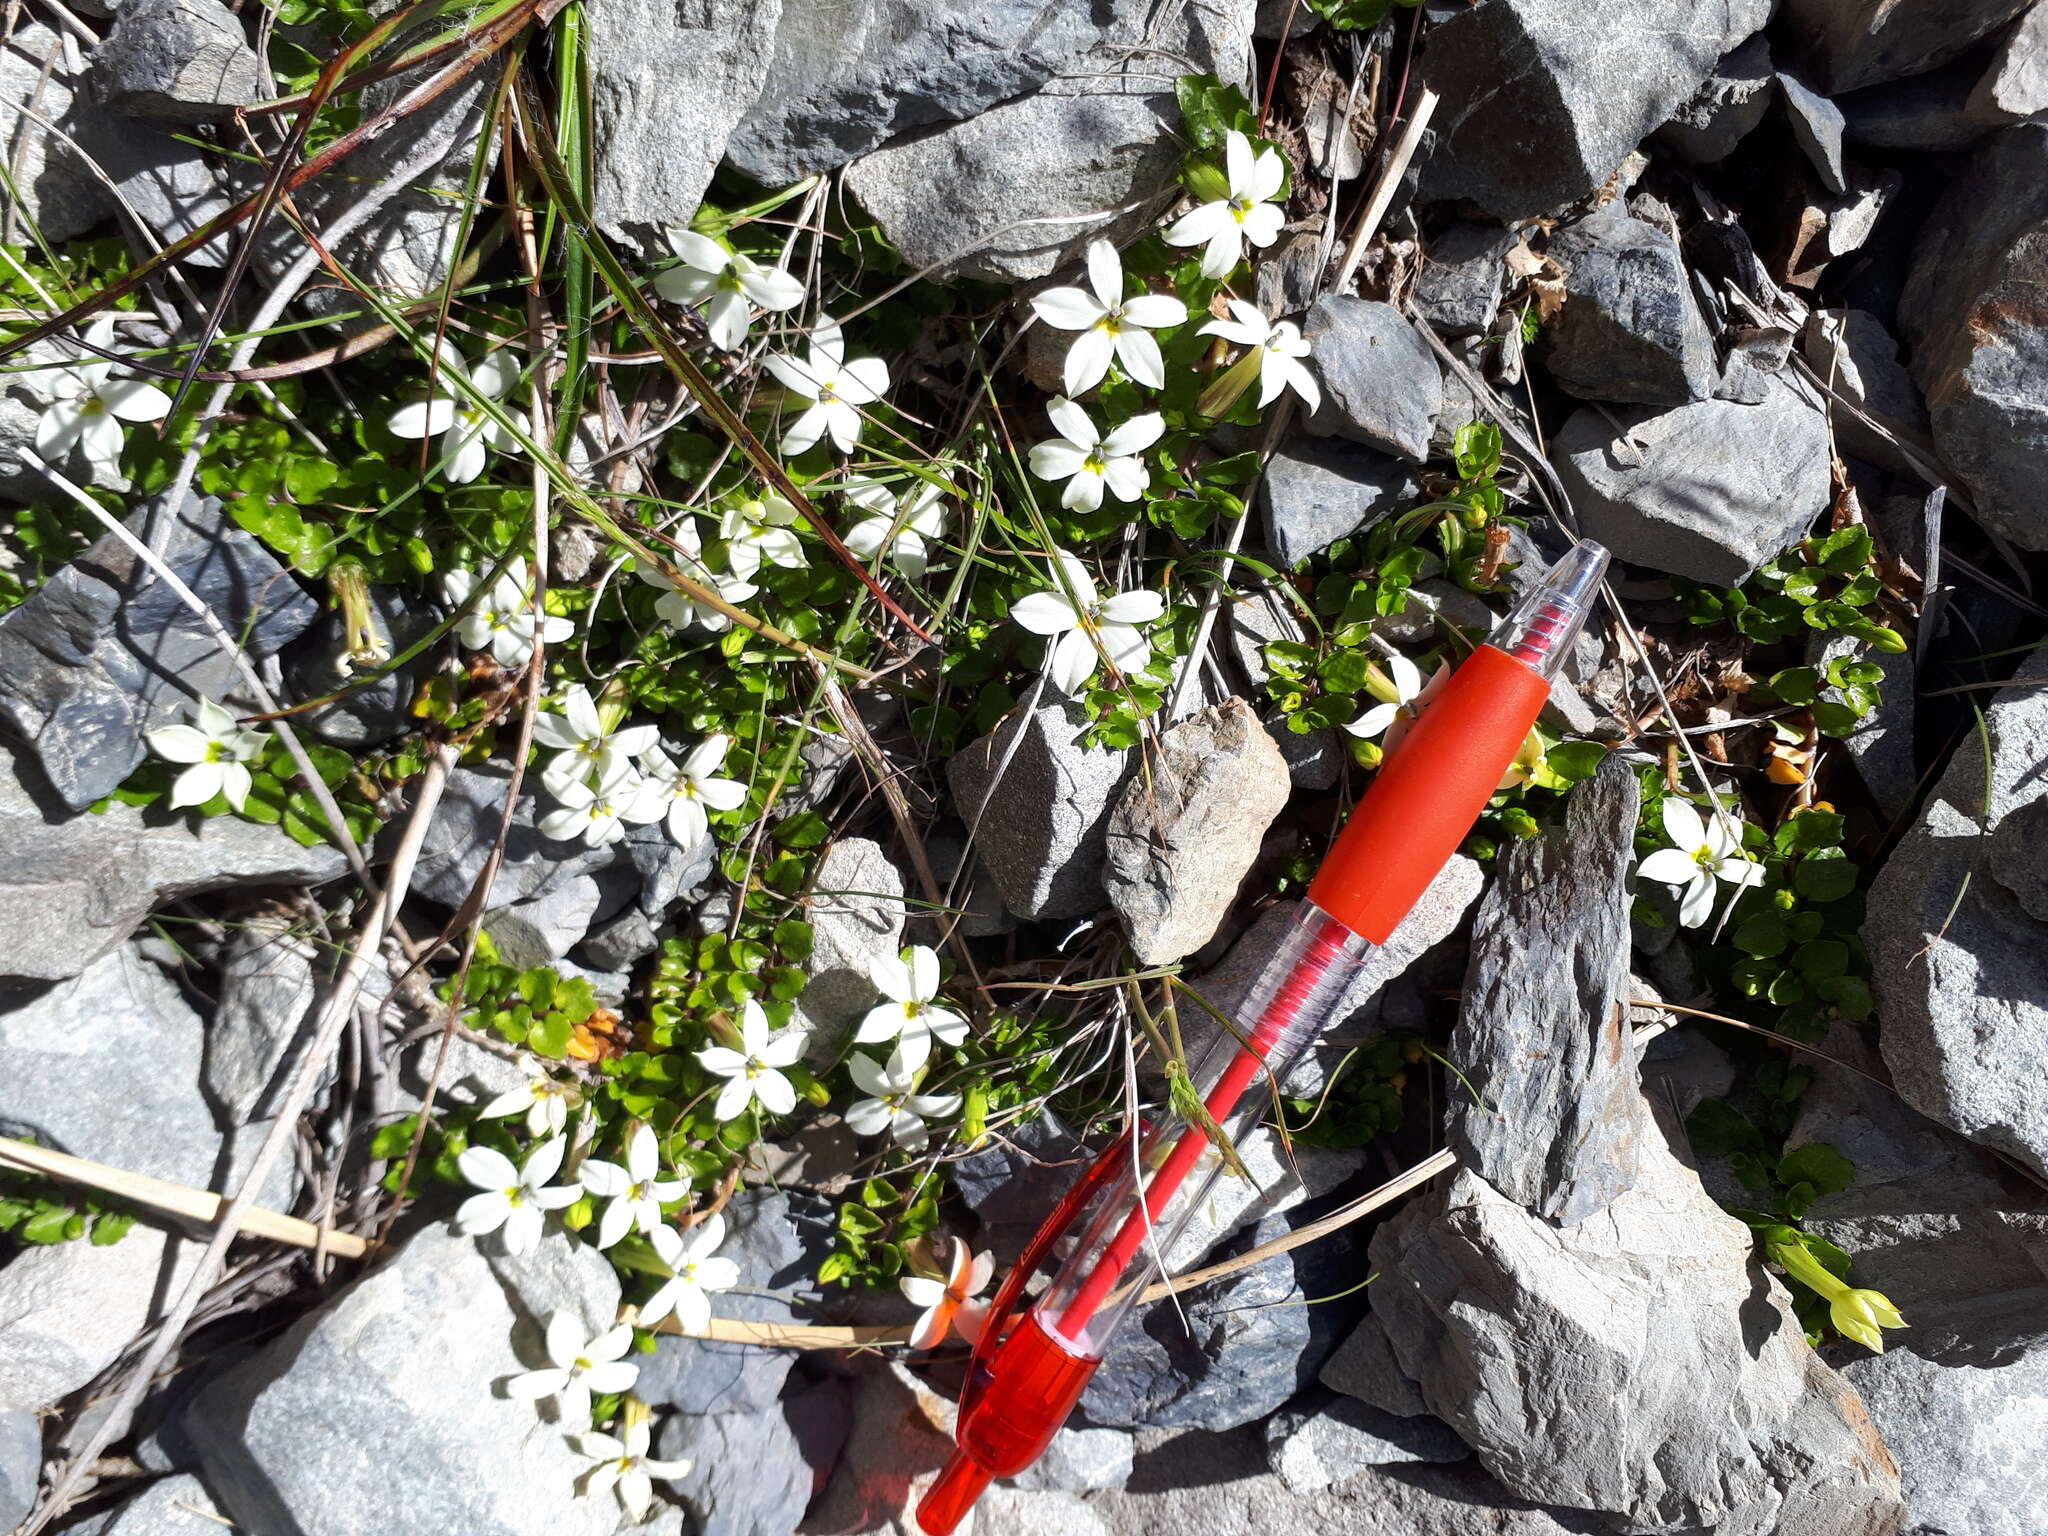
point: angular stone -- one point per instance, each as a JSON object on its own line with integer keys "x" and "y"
{"x": 1540, "y": 109}
{"x": 68, "y": 1310}
{"x": 171, "y": 1506}
{"x": 668, "y": 84}
{"x": 173, "y": 187}
{"x": 403, "y": 1372}
{"x": 1355, "y": 1017}
{"x": 1040, "y": 812}
{"x": 1959, "y": 968}
{"x": 52, "y": 185}
{"x": 747, "y": 1476}
{"x": 74, "y": 887}
{"x": 104, "y": 650}
{"x": 180, "y": 61}
{"x": 844, "y": 78}
{"x": 1639, "y": 1364}
{"x": 1729, "y": 103}
{"x": 1978, "y": 335}
{"x": 856, "y": 917}
{"x": 1847, "y": 43}
{"x": 1857, "y": 357}
{"x": 1543, "y": 1033}
{"x": 1364, "y": 1367}
{"x": 1079, "y": 1460}
{"x": 1458, "y": 290}
{"x": 1381, "y": 384}
{"x": 1816, "y": 128}
{"x": 1316, "y": 492}
{"x": 1709, "y": 490}
{"x": 1630, "y": 330}
{"x": 1013, "y": 1181}
{"x": 2015, "y": 87}
{"x": 545, "y": 927}
{"x": 21, "y": 1463}
{"x": 1321, "y": 1438}
{"x": 268, "y": 984}
{"x": 902, "y": 1435}
{"x": 1018, "y": 191}
{"x": 364, "y": 716}
{"x": 1181, "y": 841}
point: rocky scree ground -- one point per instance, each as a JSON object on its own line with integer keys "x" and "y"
{"x": 700, "y": 697}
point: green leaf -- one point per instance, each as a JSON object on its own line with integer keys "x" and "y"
{"x": 1718, "y": 1129}
{"x": 1818, "y": 1164}
{"x": 1844, "y": 551}
{"x": 109, "y": 1227}
{"x": 48, "y": 1225}
{"x": 1824, "y": 875}
{"x": 1575, "y": 761}
{"x": 1796, "y": 685}
{"x": 1850, "y": 995}
{"x": 1821, "y": 960}
{"x": 1835, "y": 719}
{"x": 1476, "y": 448}
{"x": 1764, "y": 934}
{"x": 549, "y": 1035}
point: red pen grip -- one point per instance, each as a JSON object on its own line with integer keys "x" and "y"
{"x": 1428, "y": 793}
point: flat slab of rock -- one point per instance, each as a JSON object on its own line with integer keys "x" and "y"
{"x": 1630, "y": 330}
{"x": 1708, "y": 490}
{"x": 1847, "y": 43}
{"x": 68, "y": 1310}
{"x": 1317, "y": 491}
{"x": 1543, "y": 1033}
{"x": 1322, "y": 1438}
{"x": 1182, "y": 838}
{"x": 856, "y": 917}
{"x": 1381, "y": 383}
{"x": 181, "y": 61}
{"x": 1962, "y": 984}
{"x": 1042, "y": 808}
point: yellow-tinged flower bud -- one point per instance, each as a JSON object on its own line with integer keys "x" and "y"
{"x": 1205, "y": 179}
{"x": 1856, "y": 1314}
{"x": 1222, "y": 394}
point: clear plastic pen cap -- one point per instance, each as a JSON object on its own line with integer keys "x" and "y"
{"x": 1545, "y": 623}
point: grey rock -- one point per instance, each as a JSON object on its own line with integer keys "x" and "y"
{"x": 366, "y": 715}
{"x": 104, "y": 650}
{"x": 1929, "y": 112}
{"x": 1364, "y": 1367}
{"x": 1080, "y": 1460}
{"x": 1013, "y": 1181}
{"x": 902, "y": 1435}
{"x": 1684, "y": 1397}
{"x": 1289, "y": 273}
{"x": 1856, "y": 356}
{"x": 1959, "y": 972}
{"x": 21, "y": 1463}
{"x": 747, "y": 1476}
{"x": 1709, "y": 490}
{"x": 1816, "y": 127}
{"x": 392, "y": 1390}
{"x": 1540, "y": 110}
{"x": 1315, "y": 759}
{"x": 173, "y": 187}
{"x": 668, "y": 84}
{"x": 1044, "y": 813}
{"x": 845, "y": 78}
{"x": 2015, "y": 87}
{"x": 1254, "y": 621}
{"x": 171, "y": 1506}
{"x": 106, "y": 1066}
{"x": 74, "y": 887}
{"x": 68, "y": 1310}
{"x": 1018, "y": 190}
{"x": 1247, "y": 1344}
{"x": 181, "y": 61}
{"x": 1355, "y": 1017}
{"x": 1681, "y": 1067}
{"x": 1630, "y": 330}
{"x": 53, "y": 186}
{"x": 1181, "y": 841}
{"x": 1281, "y": 1179}
{"x": 1381, "y": 384}
{"x": 1978, "y": 338}
{"x": 545, "y": 927}
{"x": 1729, "y": 103}
{"x": 1847, "y": 43}
{"x": 1458, "y": 290}
{"x": 621, "y": 943}
{"x": 268, "y": 985}
{"x": 1322, "y": 1438}
{"x": 856, "y": 917}
{"x": 1543, "y": 1034}
{"x": 1316, "y": 492}
{"x": 1882, "y": 744}
{"x": 1755, "y": 352}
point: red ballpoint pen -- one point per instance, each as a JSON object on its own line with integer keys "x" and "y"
{"x": 1128, "y": 1210}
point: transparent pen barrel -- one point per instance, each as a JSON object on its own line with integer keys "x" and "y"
{"x": 1146, "y": 1211}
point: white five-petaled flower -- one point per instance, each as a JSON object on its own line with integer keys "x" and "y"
{"x": 1702, "y": 854}
{"x": 684, "y": 793}
{"x": 1082, "y": 619}
{"x": 904, "y": 525}
{"x": 835, "y": 387}
{"x": 516, "y": 1199}
{"x": 465, "y": 431}
{"x": 88, "y": 405}
{"x": 216, "y": 748}
{"x": 754, "y": 1071}
{"x": 1109, "y": 323}
{"x": 501, "y": 621}
{"x": 600, "y": 813}
{"x": 584, "y": 749}
{"x": 1245, "y": 210}
{"x": 1277, "y": 349}
{"x": 676, "y": 607}
{"x": 620, "y": 1463}
{"x": 580, "y": 1367}
{"x": 694, "y": 1273}
{"x": 1091, "y": 462}
{"x": 911, "y": 1016}
{"x": 544, "y": 1100}
{"x": 757, "y": 529}
{"x": 1411, "y": 694}
{"x": 949, "y": 1303}
{"x": 636, "y": 1195}
{"x": 896, "y": 1106}
{"x": 729, "y": 280}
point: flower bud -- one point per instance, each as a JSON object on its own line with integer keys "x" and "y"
{"x": 1205, "y": 179}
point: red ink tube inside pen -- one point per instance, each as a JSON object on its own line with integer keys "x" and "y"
{"x": 1130, "y": 1222}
